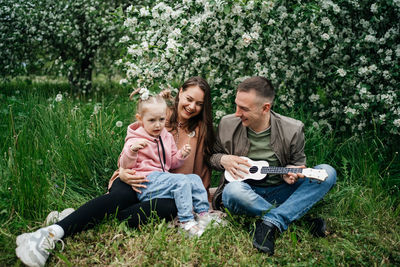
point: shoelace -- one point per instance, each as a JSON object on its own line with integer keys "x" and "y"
{"x": 49, "y": 243}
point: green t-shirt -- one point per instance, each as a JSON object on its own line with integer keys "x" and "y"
{"x": 260, "y": 149}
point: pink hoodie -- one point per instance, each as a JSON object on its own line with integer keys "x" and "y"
{"x": 147, "y": 159}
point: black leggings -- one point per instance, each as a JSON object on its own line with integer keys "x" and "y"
{"x": 122, "y": 202}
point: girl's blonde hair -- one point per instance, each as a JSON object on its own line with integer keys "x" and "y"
{"x": 152, "y": 99}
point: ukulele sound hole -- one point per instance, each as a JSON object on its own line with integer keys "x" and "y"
{"x": 253, "y": 169}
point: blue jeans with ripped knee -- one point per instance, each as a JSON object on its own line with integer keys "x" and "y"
{"x": 280, "y": 204}
{"x": 186, "y": 189}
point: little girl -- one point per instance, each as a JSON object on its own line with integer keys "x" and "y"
{"x": 151, "y": 150}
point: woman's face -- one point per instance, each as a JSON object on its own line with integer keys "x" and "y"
{"x": 190, "y": 103}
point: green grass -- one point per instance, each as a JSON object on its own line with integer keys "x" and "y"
{"x": 56, "y": 155}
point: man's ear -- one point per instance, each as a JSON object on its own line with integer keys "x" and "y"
{"x": 266, "y": 107}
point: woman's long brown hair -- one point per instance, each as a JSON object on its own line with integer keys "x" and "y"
{"x": 204, "y": 119}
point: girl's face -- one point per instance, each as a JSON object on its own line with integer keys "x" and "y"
{"x": 190, "y": 103}
{"x": 153, "y": 118}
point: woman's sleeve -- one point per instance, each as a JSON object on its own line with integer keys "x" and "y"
{"x": 200, "y": 167}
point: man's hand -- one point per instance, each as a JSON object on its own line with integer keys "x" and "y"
{"x": 231, "y": 164}
{"x": 129, "y": 177}
{"x": 291, "y": 177}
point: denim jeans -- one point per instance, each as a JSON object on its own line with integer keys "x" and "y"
{"x": 186, "y": 189}
{"x": 280, "y": 204}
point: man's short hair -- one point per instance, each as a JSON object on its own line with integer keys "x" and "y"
{"x": 262, "y": 86}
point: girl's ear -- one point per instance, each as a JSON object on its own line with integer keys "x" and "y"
{"x": 138, "y": 117}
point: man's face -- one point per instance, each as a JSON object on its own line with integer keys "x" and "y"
{"x": 250, "y": 109}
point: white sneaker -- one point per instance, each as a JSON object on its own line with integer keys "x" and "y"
{"x": 56, "y": 216}
{"x": 33, "y": 248}
{"x": 206, "y": 218}
{"x": 191, "y": 227}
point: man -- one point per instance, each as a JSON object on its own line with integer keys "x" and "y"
{"x": 259, "y": 133}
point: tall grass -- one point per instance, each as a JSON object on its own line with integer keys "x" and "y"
{"x": 60, "y": 154}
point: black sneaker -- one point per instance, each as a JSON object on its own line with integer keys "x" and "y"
{"x": 264, "y": 237}
{"x": 317, "y": 227}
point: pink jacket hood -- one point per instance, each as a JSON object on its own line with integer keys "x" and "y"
{"x": 151, "y": 157}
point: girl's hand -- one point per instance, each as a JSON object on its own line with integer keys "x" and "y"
{"x": 166, "y": 94}
{"x": 129, "y": 177}
{"x": 138, "y": 144}
{"x": 186, "y": 150}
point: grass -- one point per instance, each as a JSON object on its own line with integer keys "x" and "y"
{"x": 56, "y": 155}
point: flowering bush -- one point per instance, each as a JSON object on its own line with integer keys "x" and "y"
{"x": 338, "y": 58}
{"x": 66, "y": 36}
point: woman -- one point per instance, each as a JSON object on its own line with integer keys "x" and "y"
{"x": 190, "y": 122}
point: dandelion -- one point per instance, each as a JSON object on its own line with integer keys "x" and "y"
{"x": 119, "y": 124}
{"x": 397, "y": 123}
{"x": 89, "y": 133}
{"x": 59, "y": 97}
{"x": 96, "y": 108}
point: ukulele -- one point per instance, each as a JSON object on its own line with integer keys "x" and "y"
{"x": 260, "y": 169}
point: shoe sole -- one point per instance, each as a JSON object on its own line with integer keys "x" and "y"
{"x": 21, "y": 253}
{"x": 262, "y": 248}
{"x": 21, "y": 239}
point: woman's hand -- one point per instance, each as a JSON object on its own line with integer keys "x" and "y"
{"x": 129, "y": 177}
{"x": 291, "y": 177}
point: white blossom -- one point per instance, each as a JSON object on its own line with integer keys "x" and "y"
{"x": 341, "y": 72}
{"x": 325, "y": 36}
{"x": 314, "y": 97}
{"x": 374, "y": 8}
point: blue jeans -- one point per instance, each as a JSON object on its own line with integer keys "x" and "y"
{"x": 280, "y": 204}
{"x": 186, "y": 189}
